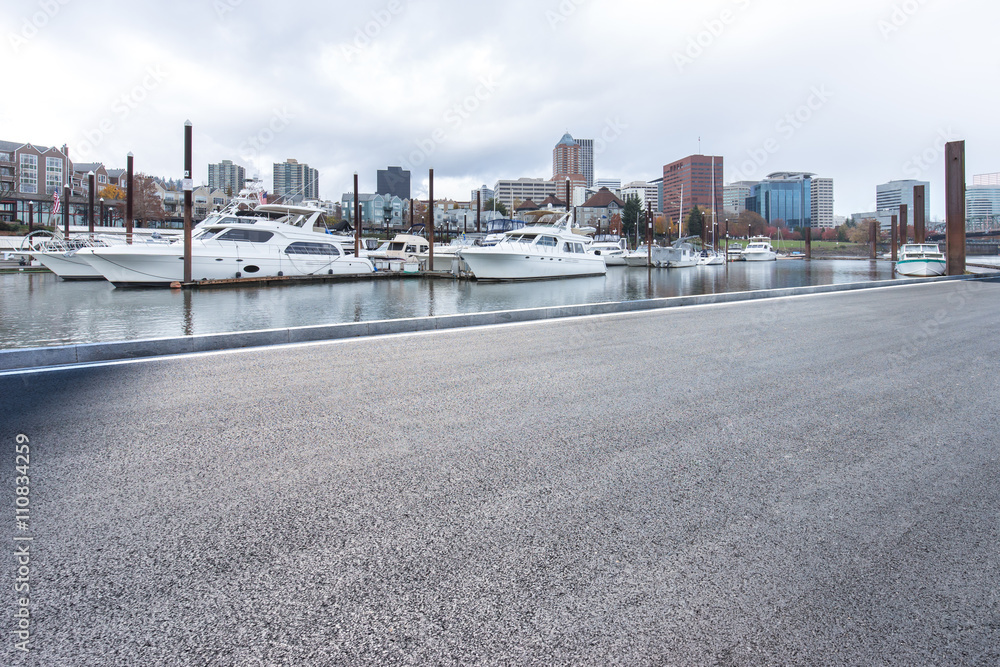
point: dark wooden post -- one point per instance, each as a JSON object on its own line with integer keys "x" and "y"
{"x": 90, "y": 202}
{"x": 954, "y": 186}
{"x": 919, "y": 235}
{"x": 904, "y": 221}
{"x": 66, "y": 210}
{"x": 188, "y": 198}
{"x": 479, "y": 210}
{"x": 894, "y": 237}
{"x": 807, "y": 234}
{"x": 873, "y": 231}
{"x": 430, "y": 220}
{"x": 357, "y": 218}
{"x": 31, "y": 216}
{"x": 128, "y": 198}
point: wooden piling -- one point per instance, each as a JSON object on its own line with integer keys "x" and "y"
{"x": 892, "y": 241}
{"x": 188, "y": 194}
{"x": 807, "y": 234}
{"x": 430, "y": 220}
{"x": 955, "y": 206}
{"x": 919, "y": 236}
{"x": 128, "y": 198}
{"x": 90, "y": 202}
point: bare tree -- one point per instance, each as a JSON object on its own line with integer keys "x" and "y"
{"x": 146, "y": 203}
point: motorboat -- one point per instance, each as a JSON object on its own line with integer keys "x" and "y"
{"x": 921, "y": 260}
{"x": 641, "y": 256}
{"x": 59, "y": 255}
{"x": 540, "y": 249}
{"x": 407, "y": 247}
{"x": 759, "y": 250}
{"x": 734, "y": 253}
{"x": 613, "y": 253}
{"x": 681, "y": 255}
{"x": 268, "y": 240}
{"x": 709, "y": 257}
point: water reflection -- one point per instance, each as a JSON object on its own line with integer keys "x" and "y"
{"x": 39, "y": 309}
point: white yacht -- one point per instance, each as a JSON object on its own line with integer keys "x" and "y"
{"x": 59, "y": 255}
{"x": 641, "y": 256}
{"x": 921, "y": 260}
{"x": 613, "y": 253}
{"x": 269, "y": 240}
{"x": 734, "y": 253}
{"x": 759, "y": 250}
{"x": 709, "y": 257}
{"x": 680, "y": 255}
{"x": 537, "y": 250}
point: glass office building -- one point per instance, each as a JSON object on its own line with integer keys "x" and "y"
{"x": 783, "y": 196}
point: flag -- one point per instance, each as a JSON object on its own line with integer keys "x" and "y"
{"x": 261, "y": 198}
{"x": 55, "y": 202}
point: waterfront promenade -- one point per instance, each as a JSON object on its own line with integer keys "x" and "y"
{"x": 808, "y": 480}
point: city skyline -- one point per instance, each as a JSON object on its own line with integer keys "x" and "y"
{"x": 454, "y": 96}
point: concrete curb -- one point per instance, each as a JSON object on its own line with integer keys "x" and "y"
{"x": 38, "y": 357}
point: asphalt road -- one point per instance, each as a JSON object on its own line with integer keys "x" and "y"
{"x": 803, "y": 481}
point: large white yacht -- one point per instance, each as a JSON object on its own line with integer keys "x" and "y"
{"x": 759, "y": 249}
{"x": 269, "y": 240}
{"x": 921, "y": 260}
{"x": 538, "y": 250}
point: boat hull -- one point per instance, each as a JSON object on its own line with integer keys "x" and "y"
{"x": 759, "y": 256}
{"x": 162, "y": 265}
{"x": 67, "y": 266}
{"x": 921, "y": 268}
{"x": 496, "y": 263}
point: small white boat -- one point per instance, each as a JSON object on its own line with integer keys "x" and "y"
{"x": 681, "y": 255}
{"x": 638, "y": 257}
{"x": 921, "y": 260}
{"x": 734, "y": 253}
{"x": 709, "y": 257}
{"x": 613, "y": 253}
{"x": 759, "y": 250}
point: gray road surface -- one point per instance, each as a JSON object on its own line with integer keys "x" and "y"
{"x": 805, "y": 481}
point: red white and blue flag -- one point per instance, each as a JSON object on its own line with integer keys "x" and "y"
{"x": 55, "y": 202}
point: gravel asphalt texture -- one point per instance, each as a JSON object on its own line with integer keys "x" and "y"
{"x": 800, "y": 481}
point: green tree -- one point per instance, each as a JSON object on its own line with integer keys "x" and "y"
{"x": 631, "y": 215}
{"x": 497, "y": 205}
{"x": 695, "y": 222}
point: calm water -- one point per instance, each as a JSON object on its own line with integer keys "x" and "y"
{"x": 41, "y": 309}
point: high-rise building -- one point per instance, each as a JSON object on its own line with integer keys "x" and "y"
{"x": 294, "y": 181}
{"x": 587, "y": 160}
{"x": 688, "y": 183}
{"x": 511, "y": 192}
{"x": 226, "y": 176}
{"x": 734, "y": 196}
{"x": 986, "y": 179}
{"x": 798, "y": 199}
{"x": 822, "y": 203}
{"x": 787, "y": 196}
{"x": 888, "y": 197}
{"x": 393, "y": 181}
{"x": 485, "y": 194}
{"x": 647, "y": 192}
{"x": 566, "y": 162}
{"x": 982, "y": 207}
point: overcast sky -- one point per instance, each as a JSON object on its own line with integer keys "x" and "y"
{"x": 863, "y": 91}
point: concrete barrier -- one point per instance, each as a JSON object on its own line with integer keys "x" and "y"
{"x": 63, "y": 355}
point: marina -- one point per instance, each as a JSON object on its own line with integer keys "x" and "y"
{"x": 39, "y": 309}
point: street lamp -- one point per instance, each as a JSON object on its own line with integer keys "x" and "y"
{"x": 102, "y": 212}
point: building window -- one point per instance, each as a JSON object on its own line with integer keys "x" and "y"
{"x": 53, "y": 174}
{"x": 29, "y": 174}
{"x": 102, "y": 179}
